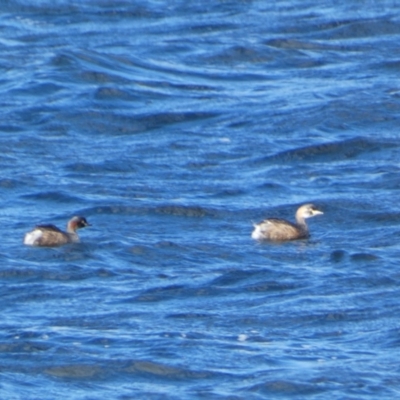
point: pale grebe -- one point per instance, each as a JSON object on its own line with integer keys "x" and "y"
{"x": 280, "y": 229}
{"x": 50, "y": 235}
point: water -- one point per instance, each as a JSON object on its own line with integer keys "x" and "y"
{"x": 172, "y": 127}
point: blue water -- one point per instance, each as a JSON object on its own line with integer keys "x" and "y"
{"x": 172, "y": 127}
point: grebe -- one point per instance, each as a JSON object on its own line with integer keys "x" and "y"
{"x": 50, "y": 235}
{"x": 280, "y": 230}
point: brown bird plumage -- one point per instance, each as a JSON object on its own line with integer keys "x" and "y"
{"x": 50, "y": 235}
{"x": 281, "y": 230}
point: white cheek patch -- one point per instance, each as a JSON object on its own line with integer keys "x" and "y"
{"x": 31, "y": 238}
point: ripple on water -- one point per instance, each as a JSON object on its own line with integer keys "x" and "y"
{"x": 57, "y": 197}
{"x": 343, "y": 150}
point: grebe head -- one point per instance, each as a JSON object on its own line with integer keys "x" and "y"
{"x": 308, "y": 211}
{"x": 77, "y": 223}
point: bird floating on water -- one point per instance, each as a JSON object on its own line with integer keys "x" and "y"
{"x": 50, "y": 235}
{"x": 281, "y": 230}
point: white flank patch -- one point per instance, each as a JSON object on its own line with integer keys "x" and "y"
{"x": 257, "y": 233}
{"x": 31, "y": 237}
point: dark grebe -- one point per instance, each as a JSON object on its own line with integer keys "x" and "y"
{"x": 50, "y": 235}
{"x": 280, "y": 230}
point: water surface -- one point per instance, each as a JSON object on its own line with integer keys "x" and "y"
{"x": 172, "y": 128}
